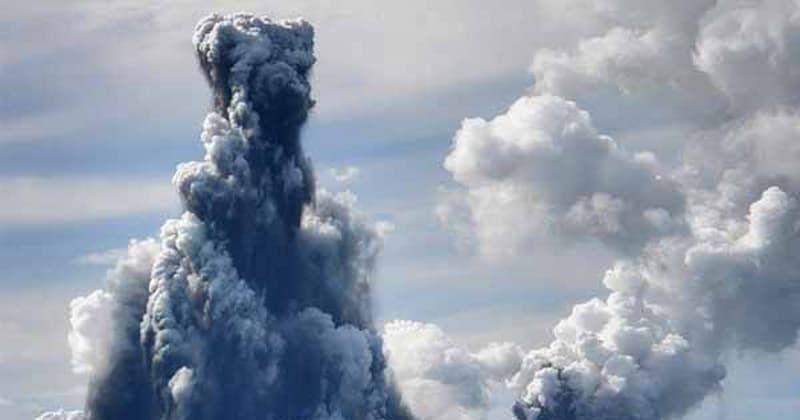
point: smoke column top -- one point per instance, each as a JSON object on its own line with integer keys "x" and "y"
{"x": 265, "y": 61}
{"x": 255, "y": 172}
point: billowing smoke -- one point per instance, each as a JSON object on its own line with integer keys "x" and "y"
{"x": 542, "y": 167}
{"x": 442, "y": 381}
{"x": 254, "y": 304}
{"x": 706, "y": 246}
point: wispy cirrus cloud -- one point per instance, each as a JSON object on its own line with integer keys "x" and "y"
{"x": 101, "y": 258}
{"x": 52, "y": 200}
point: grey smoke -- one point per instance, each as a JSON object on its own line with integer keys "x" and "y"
{"x": 255, "y": 303}
{"x": 542, "y": 167}
{"x": 684, "y": 296}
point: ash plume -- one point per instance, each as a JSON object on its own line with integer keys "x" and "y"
{"x": 706, "y": 246}
{"x": 255, "y": 302}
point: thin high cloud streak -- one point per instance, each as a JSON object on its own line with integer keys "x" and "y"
{"x": 56, "y": 200}
{"x": 255, "y": 302}
{"x": 702, "y": 244}
{"x": 108, "y": 257}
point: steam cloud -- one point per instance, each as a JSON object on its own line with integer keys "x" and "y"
{"x": 704, "y": 245}
{"x": 254, "y": 304}
{"x": 442, "y": 381}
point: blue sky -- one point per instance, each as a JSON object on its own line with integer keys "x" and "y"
{"x": 100, "y": 101}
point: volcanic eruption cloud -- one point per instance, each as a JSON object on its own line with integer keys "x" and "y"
{"x": 254, "y": 304}
{"x": 706, "y": 240}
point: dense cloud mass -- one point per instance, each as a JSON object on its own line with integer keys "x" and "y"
{"x": 651, "y": 349}
{"x": 751, "y": 53}
{"x": 703, "y": 243}
{"x": 442, "y": 381}
{"x": 254, "y": 304}
{"x": 645, "y": 49}
{"x": 543, "y": 167}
